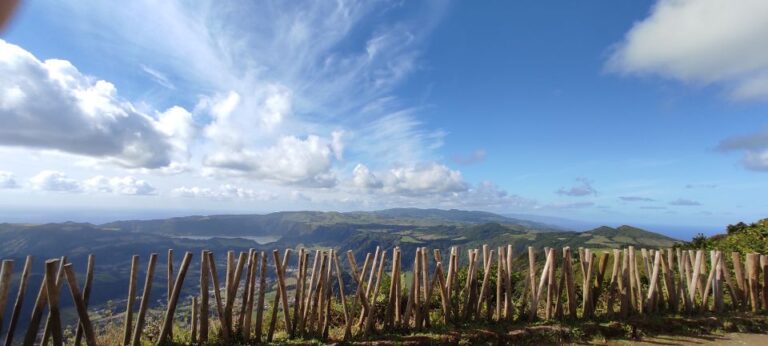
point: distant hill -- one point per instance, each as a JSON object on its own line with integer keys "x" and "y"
{"x": 624, "y": 236}
{"x": 298, "y": 223}
{"x": 114, "y": 243}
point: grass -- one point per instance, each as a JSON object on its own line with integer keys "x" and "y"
{"x": 520, "y": 332}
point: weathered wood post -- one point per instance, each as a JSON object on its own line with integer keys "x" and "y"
{"x": 86, "y": 297}
{"x": 59, "y": 281}
{"x": 589, "y": 259}
{"x": 193, "y": 322}
{"x": 171, "y": 309}
{"x": 542, "y": 281}
{"x": 252, "y": 267}
{"x": 486, "y": 278}
{"x": 347, "y": 318}
{"x": 52, "y": 289}
{"x": 753, "y": 263}
{"x": 23, "y": 283}
{"x": 128, "y": 322}
{"x": 764, "y": 284}
{"x": 5, "y": 285}
{"x": 371, "y": 317}
{"x": 6, "y": 273}
{"x": 653, "y": 282}
{"x": 298, "y": 296}
{"x": 225, "y": 328}
{"x": 569, "y": 283}
{"x": 739, "y": 274}
{"x": 204, "y": 291}
{"x": 281, "y": 286}
{"x": 144, "y": 300}
{"x": 169, "y": 283}
{"x": 262, "y": 291}
{"x": 36, "y": 315}
{"x": 232, "y": 287}
{"x": 388, "y": 313}
{"x": 82, "y": 310}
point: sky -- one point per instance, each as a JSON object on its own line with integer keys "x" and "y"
{"x": 620, "y": 112}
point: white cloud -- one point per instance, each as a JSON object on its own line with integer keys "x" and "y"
{"x": 754, "y": 146}
{"x": 362, "y": 177}
{"x": 685, "y": 202}
{"x": 701, "y": 41}
{"x": 291, "y": 161}
{"x": 54, "y": 181}
{"x": 424, "y": 179}
{"x": 158, "y": 77}
{"x": 8, "y": 180}
{"x": 472, "y": 158}
{"x": 567, "y": 205}
{"x": 581, "y": 189}
{"x": 127, "y": 185}
{"x": 413, "y": 180}
{"x": 223, "y": 192}
{"x": 51, "y": 105}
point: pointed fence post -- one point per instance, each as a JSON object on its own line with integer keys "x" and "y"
{"x": 23, "y": 283}
{"x": 168, "y": 320}
{"x": 128, "y": 323}
{"x": 82, "y": 310}
{"x": 139, "y": 327}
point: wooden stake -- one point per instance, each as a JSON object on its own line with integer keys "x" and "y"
{"x": 371, "y": 318}
{"x": 388, "y": 314}
{"x": 280, "y": 294}
{"x": 654, "y": 281}
{"x": 204, "y": 291}
{"x": 262, "y": 292}
{"x": 168, "y": 321}
{"x": 571, "y": 288}
{"x": 764, "y": 285}
{"x": 225, "y": 328}
{"x": 347, "y": 319}
{"x": 23, "y": 283}
{"x": 139, "y": 327}
{"x": 486, "y": 278}
{"x": 169, "y": 285}
{"x": 232, "y": 287}
{"x": 253, "y": 264}
{"x": 128, "y": 323}
{"x": 52, "y": 289}
{"x": 246, "y": 290}
{"x": 314, "y": 276}
{"x": 739, "y": 274}
{"x": 542, "y": 281}
{"x": 5, "y": 284}
{"x": 193, "y": 322}
{"x": 298, "y": 296}
{"x": 82, "y": 310}
{"x": 59, "y": 281}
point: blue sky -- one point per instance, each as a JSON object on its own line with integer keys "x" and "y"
{"x": 636, "y": 112}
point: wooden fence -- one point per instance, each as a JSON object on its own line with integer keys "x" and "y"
{"x": 656, "y": 281}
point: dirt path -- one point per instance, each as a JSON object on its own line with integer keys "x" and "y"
{"x": 725, "y": 339}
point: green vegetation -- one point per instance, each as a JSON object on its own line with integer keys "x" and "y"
{"x": 741, "y": 237}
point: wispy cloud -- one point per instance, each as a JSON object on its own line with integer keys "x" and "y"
{"x": 158, "y": 77}
{"x": 581, "y": 189}
{"x": 684, "y": 202}
{"x": 754, "y": 146}
{"x": 474, "y": 157}
{"x": 700, "y": 186}
{"x": 636, "y": 199}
